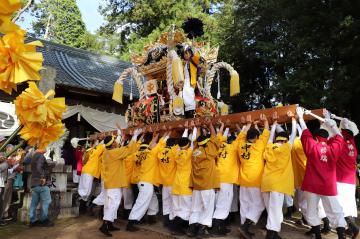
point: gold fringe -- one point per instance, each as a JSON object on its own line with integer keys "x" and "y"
{"x": 177, "y": 71}
{"x": 234, "y": 83}
{"x": 118, "y": 92}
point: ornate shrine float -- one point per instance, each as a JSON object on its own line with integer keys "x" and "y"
{"x": 174, "y": 77}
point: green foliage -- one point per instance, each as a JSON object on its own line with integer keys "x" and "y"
{"x": 303, "y": 52}
{"x": 63, "y": 19}
{"x": 137, "y": 23}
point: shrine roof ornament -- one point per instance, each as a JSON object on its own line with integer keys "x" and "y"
{"x": 178, "y": 37}
{"x": 180, "y": 71}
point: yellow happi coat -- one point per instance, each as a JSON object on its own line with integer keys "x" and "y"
{"x": 148, "y": 164}
{"x": 93, "y": 165}
{"x": 228, "y": 161}
{"x": 278, "y": 173}
{"x": 204, "y": 173}
{"x": 87, "y": 154}
{"x": 113, "y": 168}
{"x": 129, "y": 163}
{"x": 182, "y": 177}
{"x": 299, "y": 159}
{"x": 167, "y": 165}
{"x": 251, "y": 159}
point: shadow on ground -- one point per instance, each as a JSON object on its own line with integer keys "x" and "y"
{"x": 86, "y": 227}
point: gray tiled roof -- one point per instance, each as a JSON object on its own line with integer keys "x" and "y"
{"x": 83, "y": 69}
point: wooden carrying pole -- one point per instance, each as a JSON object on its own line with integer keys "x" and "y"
{"x": 230, "y": 120}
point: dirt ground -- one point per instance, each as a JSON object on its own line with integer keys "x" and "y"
{"x": 85, "y": 227}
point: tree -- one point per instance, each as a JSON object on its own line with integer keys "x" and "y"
{"x": 60, "y": 21}
{"x": 136, "y": 23}
{"x": 303, "y": 52}
{"x": 26, "y": 5}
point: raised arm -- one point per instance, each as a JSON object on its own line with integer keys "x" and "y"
{"x": 137, "y": 132}
{"x": 194, "y": 137}
{"x": 350, "y": 125}
{"x": 256, "y": 125}
{"x": 221, "y": 130}
{"x": 238, "y": 128}
{"x": 275, "y": 118}
{"x": 331, "y": 125}
{"x": 204, "y": 131}
{"x": 167, "y": 135}
{"x": 248, "y": 124}
{"x": 212, "y": 129}
{"x": 293, "y": 127}
{"x": 265, "y": 121}
{"x": 299, "y": 130}
{"x": 279, "y": 128}
{"x": 186, "y": 133}
{"x": 300, "y": 114}
{"x": 272, "y": 132}
{"x": 154, "y": 140}
{"x": 226, "y": 132}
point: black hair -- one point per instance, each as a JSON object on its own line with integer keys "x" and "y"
{"x": 188, "y": 49}
{"x": 147, "y": 138}
{"x": 183, "y": 141}
{"x": 107, "y": 140}
{"x": 321, "y": 133}
{"x": 181, "y": 49}
{"x": 126, "y": 142}
{"x": 252, "y": 134}
{"x": 81, "y": 142}
{"x": 67, "y": 145}
{"x": 202, "y": 138}
{"x": 171, "y": 142}
{"x": 230, "y": 139}
{"x": 282, "y": 134}
{"x": 348, "y": 133}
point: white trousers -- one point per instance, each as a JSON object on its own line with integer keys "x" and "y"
{"x": 235, "y": 201}
{"x": 224, "y": 198}
{"x": 300, "y": 202}
{"x": 347, "y": 199}
{"x": 85, "y": 186}
{"x": 288, "y": 201}
{"x": 274, "y": 203}
{"x": 146, "y": 202}
{"x": 167, "y": 201}
{"x": 128, "y": 198}
{"x": 202, "y": 207}
{"x": 112, "y": 202}
{"x": 332, "y": 208}
{"x": 100, "y": 199}
{"x": 251, "y": 204}
{"x": 76, "y": 177}
{"x": 181, "y": 206}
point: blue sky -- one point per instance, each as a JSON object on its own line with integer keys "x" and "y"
{"x": 89, "y": 13}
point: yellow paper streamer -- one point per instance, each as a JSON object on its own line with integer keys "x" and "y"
{"x": 118, "y": 92}
{"x": 40, "y": 135}
{"x": 234, "y": 83}
{"x": 32, "y": 106}
{"x": 7, "y": 8}
{"x": 19, "y": 62}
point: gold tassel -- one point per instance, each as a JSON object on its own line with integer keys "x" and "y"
{"x": 234, "y": 83}
{"x": 177, "y": 71}
{"x": 178, "y": 105}
{"x": 118, "y": 92}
